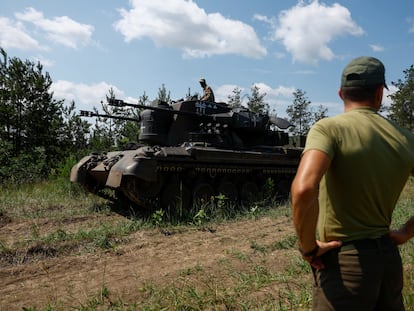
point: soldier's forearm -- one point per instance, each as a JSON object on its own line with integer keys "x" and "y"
{"x": 305, "y": 216}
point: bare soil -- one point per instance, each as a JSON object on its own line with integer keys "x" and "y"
{"x": 71, "y": 273}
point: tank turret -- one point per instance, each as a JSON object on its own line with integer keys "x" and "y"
{"x": 194, "y": 150}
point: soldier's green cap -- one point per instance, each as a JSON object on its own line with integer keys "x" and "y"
{"x": 364, "y": 71}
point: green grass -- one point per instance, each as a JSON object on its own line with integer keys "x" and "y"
{"x": 403, "y": 211}
{"x": 47, "y": 199}
{"x": 247, "y": 281}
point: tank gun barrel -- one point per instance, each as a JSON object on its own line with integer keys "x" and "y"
{"x": 87, "y": 113}
{"x": 120, "y": 103}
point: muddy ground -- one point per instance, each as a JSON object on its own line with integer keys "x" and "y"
{"x": 69, "y": 273}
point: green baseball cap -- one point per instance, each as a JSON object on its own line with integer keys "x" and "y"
{"x": 364, "y": 71}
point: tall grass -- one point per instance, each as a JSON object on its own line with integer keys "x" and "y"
{"x": 45, "y": 199}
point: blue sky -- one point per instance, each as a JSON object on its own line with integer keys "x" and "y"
{"x": 136, "y": 46}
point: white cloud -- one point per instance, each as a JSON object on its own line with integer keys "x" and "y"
{"x": 262, "y": 18}
{"x": 46, "y": 62}
{"x": 62, "y": 30}
{"x": 306, "y": 30}
{"x": 278, "y": 97}
{"x": 283, "y": 91}
{"x": 224, "y": 91}
{"x": 376, "y": 47}
{"x": 182, "y": 24}
{"x": 14, "y": 35}
{"x": 86, "y": 96}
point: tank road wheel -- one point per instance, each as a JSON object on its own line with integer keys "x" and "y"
{"x": 203, "y": 193}
{"x": 175, "y": 195}
{"x": 249, "y": 192}
{"x": 139, "y": 191}
{"x": 228, "y": 189}
{"x": 282, "y": 189}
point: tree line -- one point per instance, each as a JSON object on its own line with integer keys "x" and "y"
{"x": 40, "y": 135}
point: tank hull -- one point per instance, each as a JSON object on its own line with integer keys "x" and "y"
{"x": 152, "y": 177}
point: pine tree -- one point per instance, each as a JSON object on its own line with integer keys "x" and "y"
{"x": 163, "y": 95}
{"x": 30, "y": 118}
{"x": 235, "y": 99}
{"x": 321, "y": 113}
{"x": 300, "y": 113}
{"x": 256, "y": 101}
{"x": 74, "y": 132}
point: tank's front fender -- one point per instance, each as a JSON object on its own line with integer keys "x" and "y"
{"x": 140, "y": 167}
{"x": 77, "y": 173}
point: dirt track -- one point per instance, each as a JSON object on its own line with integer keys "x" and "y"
{"x": 70, "y": 275}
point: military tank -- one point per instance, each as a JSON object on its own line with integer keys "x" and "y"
{"x": 190, "y": 152}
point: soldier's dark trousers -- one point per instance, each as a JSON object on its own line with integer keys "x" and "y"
{"x": 361, "y": 275}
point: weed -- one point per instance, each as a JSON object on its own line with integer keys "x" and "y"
{"x": 200, "y": 218}
{"x": 239, "y": 255}
{"x": 4, "y": 249}
{"x": 287, "y": 242}
{"x": 254, "y": 211}
{"x": 258, "y": 248}
{"x": 157, "y": 217}
{"x": 192, "y": 270}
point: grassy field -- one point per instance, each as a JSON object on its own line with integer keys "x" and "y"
{"x": 53, "y": 224}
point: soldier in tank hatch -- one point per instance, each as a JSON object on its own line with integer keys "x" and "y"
{"x": 208, "y": 94}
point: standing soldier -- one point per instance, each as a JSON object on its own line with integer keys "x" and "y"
{"x": 349, "y": 179}
{"x": 208, "y": 94}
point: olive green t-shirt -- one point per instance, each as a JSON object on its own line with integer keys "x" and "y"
{"x": 371, "y": 161}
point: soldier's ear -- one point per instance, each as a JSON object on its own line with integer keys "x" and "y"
{"x": 340, "y": 94}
